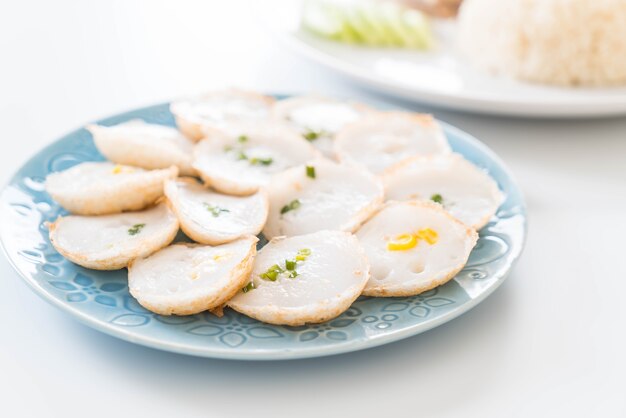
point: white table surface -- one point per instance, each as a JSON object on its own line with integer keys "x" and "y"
{"x": 550, "y": 342}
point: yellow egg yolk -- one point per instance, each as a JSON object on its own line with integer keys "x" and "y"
{"x": 402, "y": 242}
{"x": 120, "y": 169}
{"x": 405, "y": 242}
{"x": 428, "y": 235}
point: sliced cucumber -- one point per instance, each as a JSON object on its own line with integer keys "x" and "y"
{"x": 369, "y": 22}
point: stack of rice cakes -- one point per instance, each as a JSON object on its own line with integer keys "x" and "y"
{"x": 352, "y": 200}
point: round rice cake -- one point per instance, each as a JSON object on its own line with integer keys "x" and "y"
{"x": 184, "y": 279}
{"x": 319, "y": 119}
{"x": 208, "y": 114}
{"x": 100, "y": 188}
{"x": 144, "y": 145}
{"x": 380, "y": 140}
{"x": 321, "y": 195}
{"x": 213, "y": 218}
{"x": 246, "y": 158}
{"x": 463, "y": 189}
{"x": 304, "y": 279}
{"x": 110, "y": 242}
{"x": 413, "y": 247}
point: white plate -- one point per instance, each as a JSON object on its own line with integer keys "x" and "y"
{"x": 440, "y": 77}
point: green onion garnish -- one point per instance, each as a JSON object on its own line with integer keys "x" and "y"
{"x": 272, "y": 273}
{"x": 277, "y": 268}
{"x": 241, "y": 155}
{"x": 310, "y": 171}
{"x": 303, "y": 253}
{"x": 135, "y": 229}
{"x": 437, "y": 198}
{"x": 312, "y": 135}
{"x": 262, "y": 161}
{"x": 250, "y": 286}
{"x": 215, "y": 210}
{"x": 294, "y": 204}
{"x": 290, "y": 265}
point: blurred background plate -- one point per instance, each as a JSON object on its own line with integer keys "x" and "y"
{"x": 439, "y": 77}
{"x": 101, "y": 300}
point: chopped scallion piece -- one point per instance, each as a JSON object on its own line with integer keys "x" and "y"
{"x": 272, "y": 273}
{"x": 135, "y": 229}
{"x": 215, "y": 210}
{"x": 311, "y": 135}
{"x": 310, "y": 171}
{"x": 294, "y": 204}
{"x": 277, "y": 268}
{"x": 242, "y": 156}
{"x": 250, "y": 286}
{"x": 290, "y": 265}
{"x": 437, "y": 198}
{"x": 262, "y": 161}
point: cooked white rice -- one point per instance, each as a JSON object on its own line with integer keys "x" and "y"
{"x": 565, "y": 42}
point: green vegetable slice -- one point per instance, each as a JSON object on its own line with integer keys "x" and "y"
{"x": 294, "y": 204}
{"x": 368, "y": 22}
{"x": 135, "y": 229}
{"x": 437, "y": 198}
{"x": 214, "y": 209}
{"x": 250, "y": 286}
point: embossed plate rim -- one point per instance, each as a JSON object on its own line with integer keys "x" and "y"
{"x": 248, "y": 353}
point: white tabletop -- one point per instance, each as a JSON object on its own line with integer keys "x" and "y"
{"x": 550, "y": 342}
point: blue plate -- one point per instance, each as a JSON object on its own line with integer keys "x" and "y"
{"x": 101, "y": 299}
